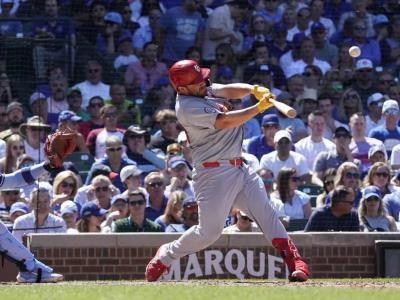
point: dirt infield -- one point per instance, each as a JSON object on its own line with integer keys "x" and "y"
{"x": 374, "y": 283}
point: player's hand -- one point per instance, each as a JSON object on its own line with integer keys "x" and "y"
{"x": 265, "y": 102}
{"x": 259, "y": 92}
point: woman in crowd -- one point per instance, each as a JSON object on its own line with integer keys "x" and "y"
{"x": 371, "y": 212}
{"x": 258, "y": 31}
{"x": 225, "y": 56}
{"x": 173, "y": 210}
{"x": 91, "y": 217}
{"x": 350, "y": 103}
{"x": 312, "y": 77}
{"x": 379, "y": 176}
{"x": 14, "y": 149}
{"x": 288, "y": 200}
{"x": 328, "y": 181}
{"x": 65, "y": 186}
{"x": 267, "y": 177}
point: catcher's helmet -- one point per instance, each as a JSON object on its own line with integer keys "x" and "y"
{"x": 187, "y": 72}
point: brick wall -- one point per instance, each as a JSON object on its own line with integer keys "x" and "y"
{"x": 124, "y": 256}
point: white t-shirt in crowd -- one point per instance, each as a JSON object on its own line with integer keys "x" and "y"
{"x": 101, "y": 141}
{"x": 295, "y": 160}
{"x": 395, "y": 156}
{"x": 310, "y": 149}
{"x": 298, "y": 67}
{"x": 90, "y": 90}
{"x": 294, "y": 210}
{"x": 370, "y": 124}
{"x": 55, "y": 107}
{"x": 37, "y": 154}
{"x": 2, "y": 148}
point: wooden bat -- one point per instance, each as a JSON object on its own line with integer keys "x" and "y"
{"x": 284, "y": 108}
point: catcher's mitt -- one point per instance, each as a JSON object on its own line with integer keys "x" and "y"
{"x": 58, "y": 145}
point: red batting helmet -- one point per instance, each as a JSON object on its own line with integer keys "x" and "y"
{"x": 187, "y": 72}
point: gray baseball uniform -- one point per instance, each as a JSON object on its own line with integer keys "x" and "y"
{"x": 217, "y": 189}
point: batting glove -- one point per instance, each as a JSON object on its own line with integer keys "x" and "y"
{"x": 264, "y": 103}
{"x": 259, "y": 92}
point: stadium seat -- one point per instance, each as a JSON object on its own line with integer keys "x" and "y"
{"x": 297, "y": 224}
{"x": 312, "y": 190}
{"x": 82, "y": 161}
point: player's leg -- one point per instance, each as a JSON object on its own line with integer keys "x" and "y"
{"x": 31, "y": 269}
{"x": 214, "y": 196}
{"x": 253, "y": 200}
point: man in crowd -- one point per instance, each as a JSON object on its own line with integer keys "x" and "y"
{"x": 168, "y": 123}
{"x": 34, "y": 132}
{"x": 155, "y": 187}
{"x": 374, "y": 118}
{"x": 178, "y": 170}
{"x": 15, "y": 117}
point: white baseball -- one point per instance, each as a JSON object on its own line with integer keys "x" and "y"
{"x": 354, "y": 51}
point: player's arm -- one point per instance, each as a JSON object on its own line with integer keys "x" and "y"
{"x": 238, "y": 90}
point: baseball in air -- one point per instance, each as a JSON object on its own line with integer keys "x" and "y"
{"x": 354, "y": 51}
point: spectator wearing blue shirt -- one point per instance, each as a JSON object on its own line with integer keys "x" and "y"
{"x": 389, "y": 132}
{"x": 9, "y": 28}
{"x": 264, "y": 143}
{"x": 392, "y": 205}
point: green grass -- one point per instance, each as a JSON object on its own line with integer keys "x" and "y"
{"x": 376, "y": 289}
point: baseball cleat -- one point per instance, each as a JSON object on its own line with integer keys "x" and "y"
{"x": 299, "y": 276}
{"x": 155, "y": 268}
{"x": 32, "y": 277}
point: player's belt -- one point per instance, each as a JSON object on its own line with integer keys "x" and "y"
{"x": 215, "y": 164}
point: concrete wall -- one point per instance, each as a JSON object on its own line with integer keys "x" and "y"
{"x": 242, "y": 255}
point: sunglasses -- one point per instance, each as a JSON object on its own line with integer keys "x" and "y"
{"x": 114, "y": 149}
{"x": 110, "y": 115}
{"x": 137, "y": 202}
{"x": 18, "y": 147}
{"x": 382, "y": 174}
{"x": 101, "y": 189}
{"x": 156, "y": 184}
{"x": 268, "y": 180}
{"x": 350, "y": 175}
{"x": 66, "y": 184}
{"x": 15, "y": 193}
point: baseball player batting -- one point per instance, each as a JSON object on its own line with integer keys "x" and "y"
{"x": 221, "y": 178}
{"x": 32, "y": 270}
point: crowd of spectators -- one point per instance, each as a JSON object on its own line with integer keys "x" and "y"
{"x": 100, "y": 68}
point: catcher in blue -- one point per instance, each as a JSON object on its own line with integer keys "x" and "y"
{"x": 221, "y": 178}
{"x": 57, "y": 146}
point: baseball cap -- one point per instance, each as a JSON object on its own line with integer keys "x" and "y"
{"x": 187, "y": 72}
{"x": 130, "y": 170}
{"x": 176, "y": 161}
{"x": 136, "y": 129}
{"x": 73, "y": 90}
{"x": 36, "y": 96}
{"x": 270, "y": 119}
{"x": 317, "y": 26}
{"x": 19, "y": 206}
{"x": 113, "y": 17}
{"x": 390, "y": 107}
{"x": 282, "y": 134}
{"x": 14, "y": 105}
{"x": 376, "y": 148}
{"x": 189, "y": 201}
{"x": 380, "y": 19}
{"x": 341, "y": 130}
{"x": 119, "y": 197}
{"x": 7, "y": 1}
{"x": 364, "y": 64}
{"x": 371, "y": 191}
{"x": 68, "y": 115}
{"x": 69, "y": 207}
{"x": 225, "y": 71}
{"x": 376, "y": 97}
{"x": 92, "y": 209}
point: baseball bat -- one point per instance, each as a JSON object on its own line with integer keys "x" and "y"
{"x": 284, "y": 108}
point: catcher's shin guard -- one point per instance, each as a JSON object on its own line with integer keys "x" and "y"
{"x": 298, "y": 269}
{"x": 13, "y": 250}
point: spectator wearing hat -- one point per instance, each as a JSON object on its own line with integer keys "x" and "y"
{"x": 317, "y": 10}
{"x": 126, "y": 52}
{"x": 364, "y": 79}
{"x": 95, "y": 121}
{"x": 9, "y": 197}
{"x": 119, "y": 210}
{"x": 92, "y": 216}
{"x": 360, "y": 144}
{"x": 190, "y": 216}
{"x": 374, "y": 118}
{"x": 40, "y": 107}
{"x": 69, "y": 211}
{"x": 381, "y": 24}
{"x": 155, "y": 186}
{"x": 114, "y": 159}
{"x": 97, "y": 137}
{"x": 389, "y": 132}
{"x": 69, "y": 119}
{"x": 181, "y": 28}
{"x": 39, "y": 220}
{"x": 93, "y": 85}
{"x": 377, "y": 153}
{"x": 372, "y": 214}
{"x": 18, "y": 209}
{"x": 338, "y": 216}
{"x": 264, "y": 143}
{"x": 334, "y": 158}
{"x": 74, "y": 99}
{"x": 34, "y": 132}
{"x": 323, "y": 49}
{"x": 284, "y": 157}
{"x": 132, "y": 178}
{"x": 136, "y": 139}
{"x": 178, "y": 170}
{"x": 141, "y": 76}
{"x": 137, "y": 221}
{"x": 315, "y": 142}
{"x": 15, "y": 117}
